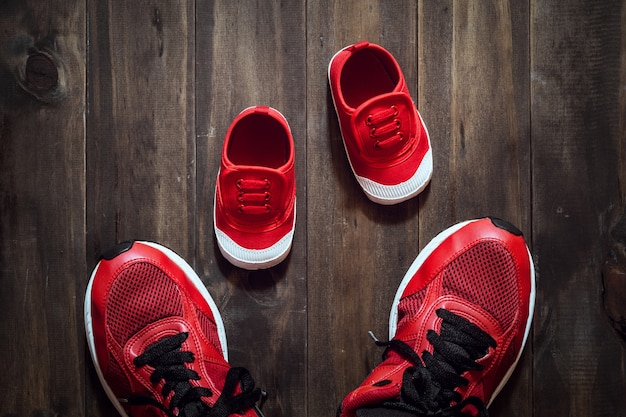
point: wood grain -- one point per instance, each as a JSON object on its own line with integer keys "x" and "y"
{"x": 575, "y": 120}
{"x": 42, "y": 194}
{"x": 614, "y": 269}
{"x": 141, "y": 147}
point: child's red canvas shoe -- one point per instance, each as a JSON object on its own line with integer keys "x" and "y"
{"x": 157, "y": 339}
{"x": 458, "y": 324}
{"x": 255, "y": 195}
{"x": 386, "y": 141}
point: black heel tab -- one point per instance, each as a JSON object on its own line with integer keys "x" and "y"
{"x": 504, "y": 225}
{"x": 117, "y": 250}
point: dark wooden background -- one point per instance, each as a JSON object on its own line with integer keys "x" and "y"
{"x": 112, "y": 117}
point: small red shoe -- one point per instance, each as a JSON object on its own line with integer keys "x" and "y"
{"x": 157, "y": 339}
{"x": 255, "y": 195}
{"x": 385, "y": 138}
{"x": 458, "y": 324}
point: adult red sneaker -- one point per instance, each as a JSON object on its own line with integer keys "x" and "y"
{"x": 458, "y": 324}
{"x": 385, "y": 138}
{"x": 157, "y": 339}
{"x": 255, "y": 195}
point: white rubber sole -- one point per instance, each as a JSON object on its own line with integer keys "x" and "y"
{"x": 254, "y": 259}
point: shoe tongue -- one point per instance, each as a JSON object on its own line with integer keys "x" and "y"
{"x": 401, "y": 112}
{"x": 257, "y": 172}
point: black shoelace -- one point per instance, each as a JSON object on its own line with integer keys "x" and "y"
{"x": 168, "y": 360}
{"x": 428, "y": 387}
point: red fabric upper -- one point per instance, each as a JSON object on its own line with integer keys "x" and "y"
{"x": 256, "y": 187}
{"x": 367, "y": 84}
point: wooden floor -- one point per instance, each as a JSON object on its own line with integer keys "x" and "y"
{"x": 112, "y": 118}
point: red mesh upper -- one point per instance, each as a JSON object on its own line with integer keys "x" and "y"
{"x": 141, "y": 294}
{"x": 484, "y": 275}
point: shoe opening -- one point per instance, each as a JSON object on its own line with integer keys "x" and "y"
{"x": 366, "y": 75}
{"x": 259, "y": 140}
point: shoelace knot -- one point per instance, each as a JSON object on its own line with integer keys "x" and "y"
{"x": 168, "y": 360}
{"x": 428, "y": 386}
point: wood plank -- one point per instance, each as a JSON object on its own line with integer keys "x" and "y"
{"x": 576, "y": 119}
{"x": 141, "y": 141}
{"x": 358, "y": 251}
{"x": 141, "y": 150}
{"x": 253, "y": 53}
{"x": 42, "y": 194}
{"x": 473, "y": 95}
{"x": 614, "y": 269}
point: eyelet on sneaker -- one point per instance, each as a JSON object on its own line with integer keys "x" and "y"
{"x": 368, "y": 121}
{"x": 239, "y": 181}
{"x": 268, "y": 183}
{"x": 268, "y": 196}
